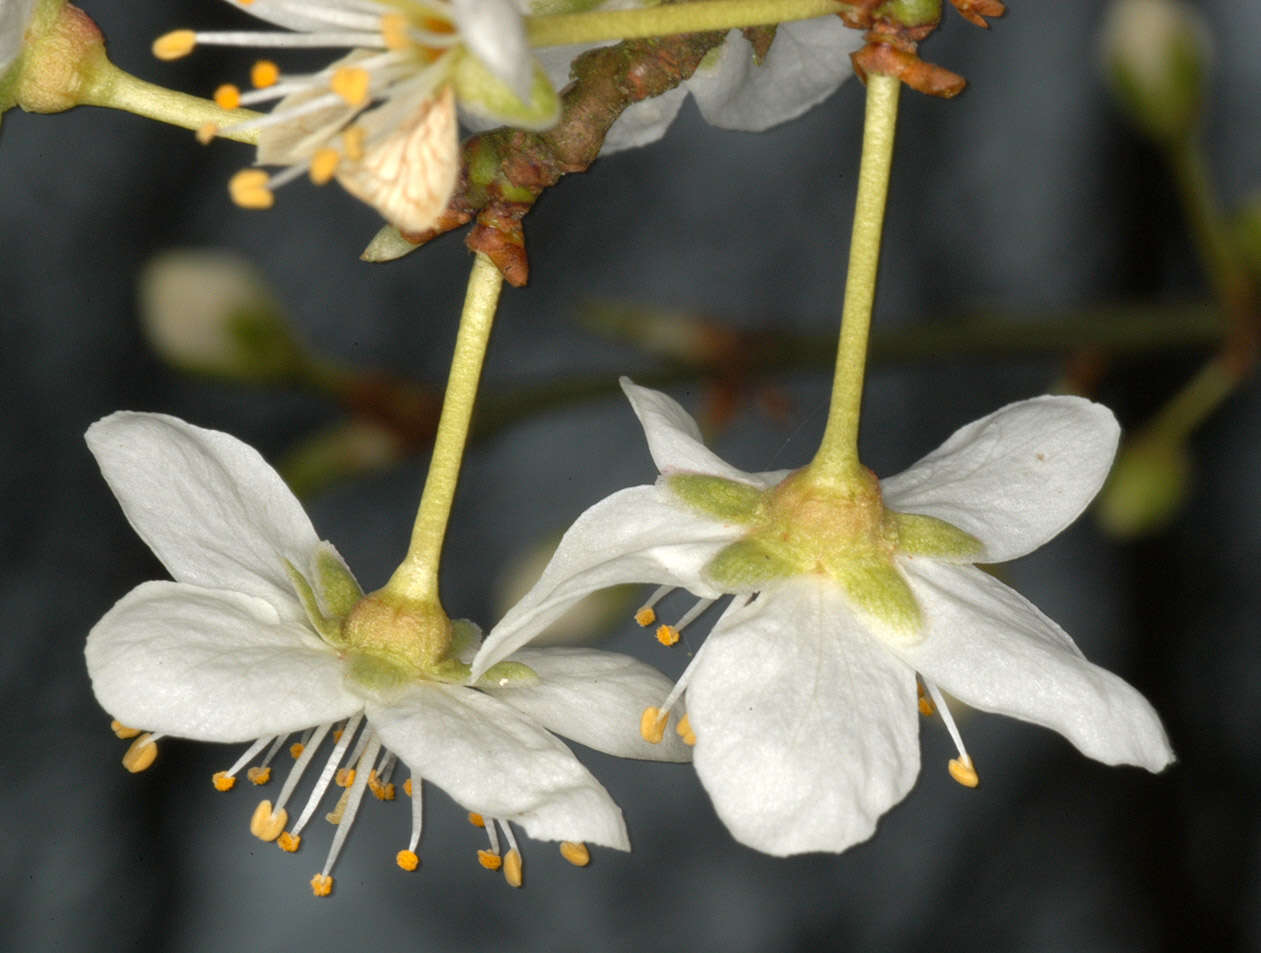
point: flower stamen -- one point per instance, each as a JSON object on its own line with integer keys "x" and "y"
{"x": 646, "y": 615}
{"x": 408, "y": 859}
{"x": 354, "y": 797}
{"x": 142, "y": 753}
{"x": 512, "y": 859}
{"x": 122, "y": 731}
{"x": 575, "y": 852}
{"x": 326, "y": 775}
{"x": 669, "y": 634}
{"x": 960, "y": 768}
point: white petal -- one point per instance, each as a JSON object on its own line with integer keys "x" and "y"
{"x": 495, "y": 32}
{"x": 495, "y": 761}
{"x": 212, "y": 665}
{"x": 644, "y": 122}
{"x": 639, "y": 534}
{"x": 1015, "y": 478}
{"x": 211, "y": 509}
{"x": 674, "y": 440}
{"x": 805, "y": 725}
{"x": 595, "y": 698}
{"x": 806, "y": 63}
{"x": 284, "y": 13}
{"x": 14, "y": 15}
{"x": 992, "y": 649}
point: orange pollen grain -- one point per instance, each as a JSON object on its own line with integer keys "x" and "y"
{"x": 227, "y": 96}
{"x": 259, "y": 776}
{"x": 489, "y": 860}
{"x": 476, "y": 819}
{"x": 667, "y": 634}
{"x": 324, "y": 165}
{"x": 264, "y": 73}
{"x": 321, "y": 885}
{"x": 407, "y": 859}
{"x": 223, "y": 781}
{"x": 646, "y": 616}
{"x": 289, "y": 843}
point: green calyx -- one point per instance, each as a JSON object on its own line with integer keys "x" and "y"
{"x": 410, "y": 638}
{"x": 805, "y": 526}
{"x": 482, "y": 92}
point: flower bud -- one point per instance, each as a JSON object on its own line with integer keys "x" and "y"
{"x": 210, "y": 312}
{"x": 1146, "y": 489}
{"x": 1156, "y": 54}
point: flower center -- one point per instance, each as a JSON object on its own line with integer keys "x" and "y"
{"x": 810, "y": 526}
{"x": 388, "y": 639}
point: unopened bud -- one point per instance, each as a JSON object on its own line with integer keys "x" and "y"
{"x": 210, "y": 312}
{"x": 1146, "y": 489}
{"x": 1156, "y": 54}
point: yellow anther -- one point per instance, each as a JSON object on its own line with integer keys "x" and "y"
{"x": 324, "y": 165}
{"x": 925, "y": 706}
{"x": 245, "y": 3}
{"x": 351, "y": 84}
{"x": 345, "y": 777}
{"x": 289, "y": 843}
{"x": 264, "y": 73}
{"x": 394, "y": 31}
{"x": 646, "y": 616}
{"x": 652, "y": 726}
{"x": 227, "y": 96}
{"x": 337, "y": 735}
{"x": 382, "y": 792}
{"x": 476, "y": 819}
{"x": 489, "y": 859}
{"x": 512, "y": 868}
{"x": 267, "y": 824}
{"x": 407, "y": 787}
{"x": 259, "y": 776}
{"x": 122, "y": 731}
{"x": 575, "y": 852}
{"x": 321, "y": 885}
{"x": 352, "y": 141}
{"x": 206, "y": 132}
{"x": 249, "y": 189}
{"x": 335, "y": 815}
{"x": 407, "y": 859}
{"x": 173, "y": 45}
{"x": 667, "y": 634}
{"x": 684, "y": 730}
{"x": 296, "y": 749}
{"x": 223, "y": 781}
{"x": 141, "y": 754}
{"x": 963, "y": 771}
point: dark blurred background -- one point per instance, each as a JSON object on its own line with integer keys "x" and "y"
{"x": 1026, "y": 195}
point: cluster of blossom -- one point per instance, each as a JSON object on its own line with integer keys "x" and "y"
{"x": 847, "y": 614}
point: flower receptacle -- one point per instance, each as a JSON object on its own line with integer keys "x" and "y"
{"x": 63, "y": 57}
{"x": 413, "y": 637}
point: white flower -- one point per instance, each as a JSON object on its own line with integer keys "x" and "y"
{"x": 248, "y": 644}
{"x": 806, "y": 63}
{"x": 802, "y": 700}
{"x": 382, "y": 119}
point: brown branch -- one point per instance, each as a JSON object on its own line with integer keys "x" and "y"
{"x": 506, "y": 170}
